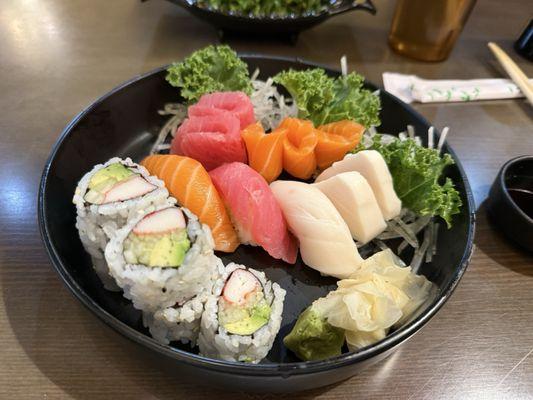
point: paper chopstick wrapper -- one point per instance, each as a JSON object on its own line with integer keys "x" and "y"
{"x": 411, "y": 88}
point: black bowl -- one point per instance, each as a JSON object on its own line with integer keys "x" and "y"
{"x": 272, "y": 25}
{"x": 125, "y": 122}
{"x": 510, "y": 202}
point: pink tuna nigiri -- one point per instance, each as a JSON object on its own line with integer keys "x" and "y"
{"x": 254, "y": 210}
{"x": 212, "y": 139}
{"x": 236, "y": 103}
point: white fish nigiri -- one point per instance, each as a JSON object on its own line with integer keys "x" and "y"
{"x": 373, "y": 167}
{"x": 325, "y": 240}
{"x": 354, "y": 199}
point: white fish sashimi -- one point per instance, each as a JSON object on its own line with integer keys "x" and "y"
{"x": 325, "y": 240}
{"x": 372, "y": 166}
{"x": 354, "y": 199}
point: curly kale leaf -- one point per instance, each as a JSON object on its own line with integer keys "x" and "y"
{"x": 212, "y": 69}
{"x": 324, "y": 99}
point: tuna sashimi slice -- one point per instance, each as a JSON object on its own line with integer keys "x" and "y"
{"x": 237, "y": 103}
{"x": 254, "y": 210}
{"x": 212, "y": 139}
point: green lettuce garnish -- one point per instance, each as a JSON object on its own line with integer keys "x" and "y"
{"x": 212, "y": 69}
{"x": 324, "y": 99}
{"x": 416, "y": 172}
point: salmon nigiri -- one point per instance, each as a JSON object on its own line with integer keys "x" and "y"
{"x": 191, "y": 185}
{"x": 335, "y": 140}
{"x": 265, "y": 150}
{"x": 299, "y": 147}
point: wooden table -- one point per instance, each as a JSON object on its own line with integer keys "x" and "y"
{"x": 58, "y": 56}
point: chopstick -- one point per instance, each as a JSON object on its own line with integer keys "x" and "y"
{"x": 516, "y": 74}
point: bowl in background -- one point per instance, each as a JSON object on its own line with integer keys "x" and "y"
{"x": 272, "y": 25}
{"x": 510, "y": 202}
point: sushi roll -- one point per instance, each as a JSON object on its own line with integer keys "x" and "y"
{"x": 242, "y": 316}
{"x": 162, "y": 259}
{"x": 106, "y": 198}
{"x": 180, "y": 322}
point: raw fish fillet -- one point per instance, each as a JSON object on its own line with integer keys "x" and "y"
{"x": 191, "y": 185}
{"x": 255, "y": 213}
{"x": 372, "y": 166}
{"x": 299, "y": 147}
{"x": 236, "y": 103}
{"x": 325, "y": 240}
{"x": 212, "y": 139}
{"x": 335, "y": 140}
{"x": 354, "y": 199}
{"x": 265, "y": 150}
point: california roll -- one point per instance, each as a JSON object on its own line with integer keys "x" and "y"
{"x": 162, "y": 259}
{"x": 106, "y": 198}
{"x": 242, "y": 316}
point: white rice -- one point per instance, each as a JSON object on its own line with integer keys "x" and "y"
{"x": 215, "y": 342}
{"x": 96, "y": 224}
{"x": 178, "y": 323}
{"x": 156, "y": 288}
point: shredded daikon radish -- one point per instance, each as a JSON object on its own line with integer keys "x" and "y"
{"x": 411, "y": 131}
{"x": 381, "y": 245}
{"x": 412, "y": 228}
{"x": 344, "y": 66}
{"x": 431, "y": 132}
{"x": 429, "y": 253}
{"x": 442, "y": 138}
{"x": 403, "y": 245}
{"x": 418, "y": 257}
{"x": 435, "y": 235}
{"x": 165, "y": 146}
{"x": 394, "y": 226}
{"x": 270, "y": 107}
{"x": 178, "y": 112}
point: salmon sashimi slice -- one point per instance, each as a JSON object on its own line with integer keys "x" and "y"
{"x": 301, "y": 138}
{"x": 254, "y": 211}
{"x": 212, "y": 139}
{"x": 188, "y": 181}
{"x": 236, "y": 103}
{"x": 265, "y": 150}
{"x": 335, "y": 140}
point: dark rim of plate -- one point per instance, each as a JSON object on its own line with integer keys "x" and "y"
{"x": 302, "y": 367}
